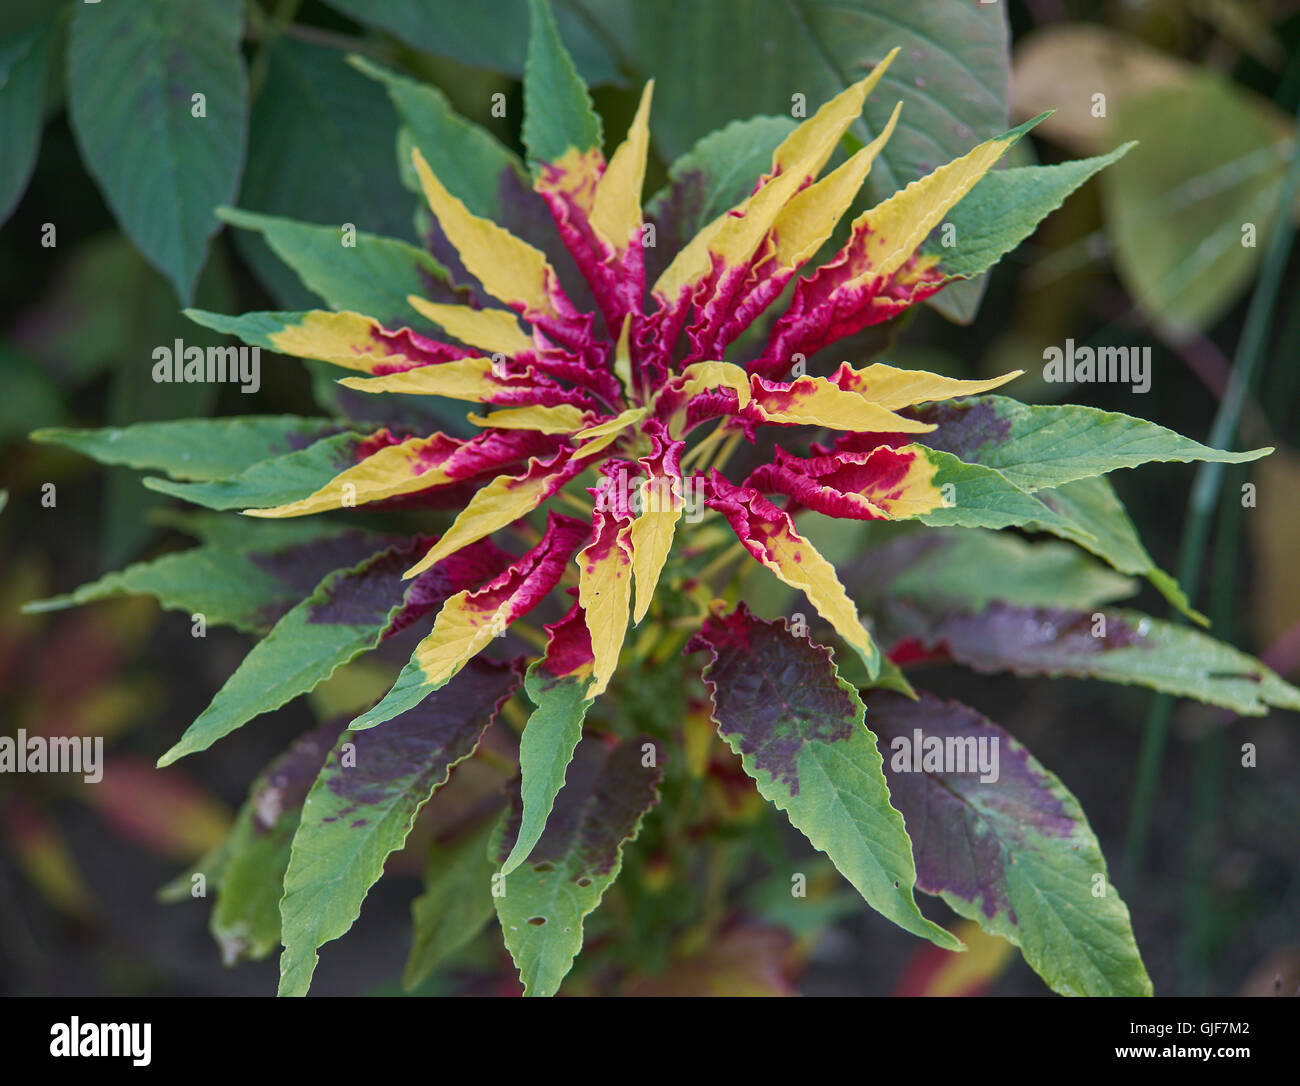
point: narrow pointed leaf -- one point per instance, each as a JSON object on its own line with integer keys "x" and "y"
{"x": 1112, "y": 645}
{"x": 246, "y": 918}
{"x": 472, "y": 618}
{"x": 545, "y": 899}
{"x": 350, "y": 612}
{"x": 559, "y": 684}
{"x": 195, "y": 449}
{"x": 1047, "y": 445}
{"x": 247, "y": 587}
{"x": 557, "y": 109}
{"x": 455, "y": 905}
{"x": 363, "y": 805}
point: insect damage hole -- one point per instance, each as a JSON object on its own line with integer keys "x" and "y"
{"x": 537, "y": 921}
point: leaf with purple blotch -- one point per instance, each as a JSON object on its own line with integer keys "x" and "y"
{"x": 606, "y": 794}
{"x": 781, "y": 705}
{"x": 246, "y": 918}
{"x": 351, "y": 612}
{"x": 1113, "y": 645}
{"x": 1014, "y": 853}
{"x": 363, "y": 805}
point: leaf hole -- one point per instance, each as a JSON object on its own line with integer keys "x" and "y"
{"x": 584, "y": 881}
{"x": 544, "y": 867}
{"x": 537, "y": 921}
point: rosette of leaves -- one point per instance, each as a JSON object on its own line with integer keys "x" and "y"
{"x": 626, "y": 410}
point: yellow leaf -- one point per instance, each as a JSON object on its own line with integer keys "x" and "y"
{"x": 892, "y": 388}
{"x": 390, "y": 472}
{"x": 605, "y": 592}
{"x": 464, "y": 379}
{"x": 889, "y": 233}
{"x": 616, "y": 213}
{"x": 511, "y": 270}
{"x": 503, "y": 501}
{"x": 345, "y": 339}
{"x": 652, "y": 536}
{"x": 615, "y": 426}
{"x": 734, "y": 235}
{"x": 814, "y": 401}
{"x": 562, "y": 418}
{"x": 460, "y": 632}
{"x": 810, "y": 216}
{"x": 706, "y": 376}
{"x": 493, "y": 330}
{"x": 793, "y": 559}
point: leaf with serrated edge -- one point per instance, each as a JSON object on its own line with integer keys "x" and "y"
{"x": 363, "y": 805}
{"x": 1015, "y": 854}
{"x": 544, "y": 900}
{"x": 798, "y": 727}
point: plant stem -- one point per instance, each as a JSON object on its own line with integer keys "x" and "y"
{"x": 1205, "y": 491}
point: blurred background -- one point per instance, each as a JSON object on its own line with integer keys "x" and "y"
{"x": 1165, "y": 251}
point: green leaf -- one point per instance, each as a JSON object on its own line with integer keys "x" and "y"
{"x": 545, "y": 750}
{"x": 1210, "y": 161}
{"x": 1046, "y": 445}
{"x": 321, "y": 151}
{"x": 132, "y": 73}
{"x": 491, "y": 35}
{"x": 953, "y": 566}
{"x": 1015, "y": 854}
{"x": 363, "y": 805}
{"x": 194, "y": 449}
{"x": 558, "y": 114}
{"x": 544, "y": 901}
{"x": 456, "y": 903}
{"x": 1112, "y": 645}
{"x": 983, "y": 498}
{"x": 246, "y": 918}
{"x": 274, "y": 481}
{"x": 134, "y": 396}
{"x": 24, "y": 64}
{"x": 374, "y": 277}
{"x": 244, "y": 587}
{"x": 738, "y": 58}
{"x": 1096, "y": 520}
{"x": 1006, "y": 206}
{"x": 798, "y": 727}
{"x": 471, "y": 162}
{"x": 349, "y": 613}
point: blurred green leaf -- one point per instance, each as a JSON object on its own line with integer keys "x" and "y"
{"x": 134, "y": 72}
{"x": 715, "y": 62}
{"x": 24, "y": 61}
{"x": 320, "y": 151}
{"x": 455, "y": 905}
{"x": 487, "y": 33}
{"x": 1204, "y": 181}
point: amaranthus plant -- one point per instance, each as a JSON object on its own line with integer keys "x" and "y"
{"x": 579, "y": 558}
